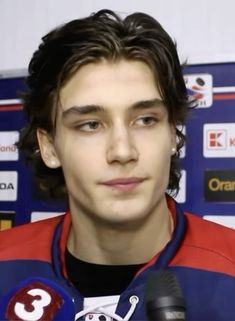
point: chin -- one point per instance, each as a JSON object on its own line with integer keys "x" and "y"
{"x": 124, "y": 218}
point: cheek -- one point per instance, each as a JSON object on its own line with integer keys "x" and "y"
{"x": 78, "y": 158}
{"x": 159, "y": 161}
{"x": 157, "y": 145}
{"x": 72, "y": 148}
{"x": 78, "y": 172}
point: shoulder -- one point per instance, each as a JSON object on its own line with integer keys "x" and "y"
{"x": 31, "y": 238}
{"x": 207, "y": 233}
{"x": 207, "y": 245}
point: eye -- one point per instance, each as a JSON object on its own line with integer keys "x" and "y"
{"x": 146, "y": 121}
{"x": 89, "y": 126}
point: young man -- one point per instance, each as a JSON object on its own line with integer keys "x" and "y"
{"x": 106, "y": 98}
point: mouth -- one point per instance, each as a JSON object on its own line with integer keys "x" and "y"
{"x": 124, "y": 184}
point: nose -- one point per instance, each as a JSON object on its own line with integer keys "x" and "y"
{"x": 121, "y": 146}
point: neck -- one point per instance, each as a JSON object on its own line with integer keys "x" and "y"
{"x": 126, "y": 243}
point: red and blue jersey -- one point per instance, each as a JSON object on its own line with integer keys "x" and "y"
{"x": 200, "y": 253}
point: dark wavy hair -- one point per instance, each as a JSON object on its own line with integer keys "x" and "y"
{"x": 103, "y": 35}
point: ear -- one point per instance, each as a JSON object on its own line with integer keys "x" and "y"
{"x": 173, "y": 140}
{"x": 47, "y": 149}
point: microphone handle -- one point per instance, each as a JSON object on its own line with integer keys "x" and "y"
{"x": 166, "y": 308}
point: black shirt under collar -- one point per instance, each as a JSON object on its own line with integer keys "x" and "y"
{"x": 98, "y": 279}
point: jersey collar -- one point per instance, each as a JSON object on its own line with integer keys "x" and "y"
{"x": 159, "y": 261}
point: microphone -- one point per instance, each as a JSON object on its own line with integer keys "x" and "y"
{"x": 37, "y": 299}
{"x": 163, "y": 297}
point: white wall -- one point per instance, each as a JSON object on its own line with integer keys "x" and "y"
{"x": 204, "y": 29}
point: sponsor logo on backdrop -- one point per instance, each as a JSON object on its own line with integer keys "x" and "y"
{"x": 7, "y": 219}
{"x": 226, "y": 220}
{"x": 219, "y": 185}
{"x": 38, "y": 216}
{"x": 8, "y": 185}
{"x": 181, "y": 197}
{"x": 8, "y": 150}
{"x": 219, "y": 140}
{"x": 200, "y": 88}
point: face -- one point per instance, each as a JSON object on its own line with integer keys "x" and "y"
{"x": 113, "y": 141}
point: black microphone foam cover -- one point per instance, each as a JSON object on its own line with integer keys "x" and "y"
{"x": 163, "y": 297}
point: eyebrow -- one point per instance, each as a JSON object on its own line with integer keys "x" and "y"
{"x": 88, "y": 109}
{"x": 145, "y": 104}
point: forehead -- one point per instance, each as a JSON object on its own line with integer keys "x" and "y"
{"x": 110, "y": 84}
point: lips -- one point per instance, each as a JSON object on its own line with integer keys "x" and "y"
{"x": 124, "y": 184}
{"x": 124, "y": 181}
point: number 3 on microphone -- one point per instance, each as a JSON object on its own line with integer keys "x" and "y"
{"x": 33, "y": 302}
{"x": 34, "y": 310}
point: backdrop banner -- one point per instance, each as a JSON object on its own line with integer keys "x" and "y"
{"x": 207, "y": 186}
